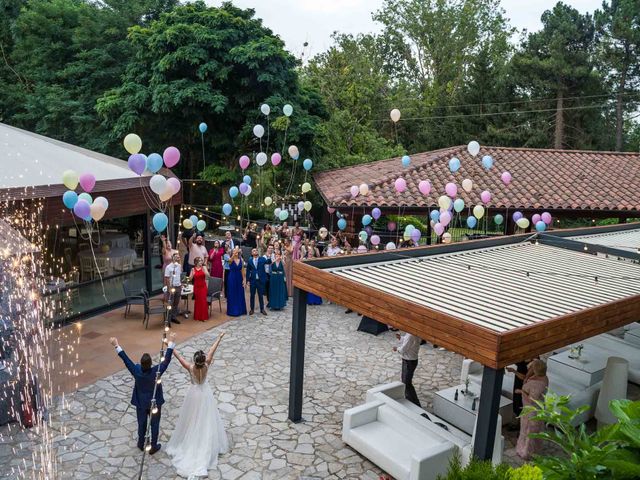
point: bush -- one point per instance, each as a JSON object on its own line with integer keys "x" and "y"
{"x": 526, "y": 472}
{"x": 476, "y": 470}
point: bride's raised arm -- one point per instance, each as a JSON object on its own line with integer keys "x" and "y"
{"x": 213, "y": 348}
{"x": 182, "y": 361}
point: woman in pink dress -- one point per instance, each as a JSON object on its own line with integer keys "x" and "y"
{"x": 533, "y": 389}
{"x": 288, "y": 265}
{"x": 215, "y": 260}
{"x": 199, "y": 276}
{"x": 297, "y": 241}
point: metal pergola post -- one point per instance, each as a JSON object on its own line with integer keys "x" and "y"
{"x": 146, "y": 239}
{"x": 298, "y": 332}
{"x": 488, "y": 413}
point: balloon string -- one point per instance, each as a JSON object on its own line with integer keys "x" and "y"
{"x": 268, "y": 131}
{"x": 95, "y": 261}
{"x": 204, "y": 160}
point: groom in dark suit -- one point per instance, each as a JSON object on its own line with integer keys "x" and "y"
{"x": 257, "y": 278}
{"x": 145, "y": 379}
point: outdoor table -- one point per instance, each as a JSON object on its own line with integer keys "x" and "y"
{"x": 115, "y": 257}
{"x": 186, "y": 291}
{"x": 115, "y": 240}
{"x": 633, "y": 334}
{"x": 587, "y": 370}
{"x": 459, "y": 413}
{"x": 53, "y": 284}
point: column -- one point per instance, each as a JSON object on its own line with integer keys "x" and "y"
{"x": 298, "y": 332}
{"x": 488, "y": 413}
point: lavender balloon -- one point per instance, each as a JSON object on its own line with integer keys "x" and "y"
{"x": 243, "y": 188}
{"x": 369, "y": 230}
{"x": 517, "y": 216}
{"x": 415, "y": 235}
{"x": 137, "y": 163}
{"x": 376, "y": 213}
{"x": 82, "y": 209}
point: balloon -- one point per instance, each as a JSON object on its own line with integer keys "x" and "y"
{"x": 406, "y": 161}
{"x": 467, "y": 185}
{"x": 160, "y": 221}
{"x": 451, "y": 189}
{"x": 284, "y": 214}
{"x": 103, "y": 201}
{"x": 202, "y": 127}
{"x": 171, "y": 156}
{"x": 445, "y": 218}
{"x": 366, "y": 220}
{"x": 268, "y": 201}
{"x": 444, "y": 202}
{"x": 87, "y": 181}
{"x": 546, "y": 218}
{"x": 487, "y": 162}
{"x": 415, "y": 235}
{"x": 300, "y": 205}
{"x": 395, "y": 115}
{"x": 354, "y": 190}
{"x": 541, "y": 226}
{"x": 306, "y": 187}
{"x": 258, "y": 131}
{"x": 201, "y": 225}
{"x": 438, "y": 228}
{"x": 132, "y": 143}
{"x": 276, "y": 158}
{"x": 454, "y": 165}
{"x": 506, "y": 178}
{"x": 434, "y": 215}
{"x": 472, "y": 222}
{"x": 70, "y": 179}
{"x": 233, "y": 192}
{"x": 293, "y": 152}
{"x": 424, "y": 186}
{"x": 193, "y": 219}
{"x": 446, "y": 238}
{"x": 391, "y": 226}
{"x": 247, "y": 179}
{"x": 401, "y": 185}
{"x": 265, "y": 109}
{"x": 157, "y": 184}
{"x": 188, "y": 224}
{"x": 363, "y": 236}
{"x": 70, "y": 198}
{"x": 498, "y": 219}
{"x": 287, "y": 110}
{"x": 276, "y": 212}
{"x": 485, "y": 196}
{"x": 375, "y": 240}
{"x": 390, "y": 246}
{"x": 458, "y": 205}
{"x": 86, "y": 197}
{"x": 307, "y": 164}
{"x": 478, "y": 211}
{"x": 516, "y": 216}
{"x": 473, "y": 148}
{"x": 376, "y": 213}
{"x": 523, "y": 222}
{"x": 82, "y": 209}
{"x": 166, "y": 194}
{"x": 227, "y": 209}
{"x": 247, "y": 192}
{"x": 409, "y": 228}
{"x": 307, "y": 206}
{"x": 342, "y": 224}
{"x": 331, "y": 210}
{"x": 154, "y": 162}
{"x": 137, "y": 163}
{"x": 244, "y": 162}
{"x": 363, "y": 189}
{"x": 536, "y": 218}
{"x": 261, "y": 159}
{"x": 97, "y": 211}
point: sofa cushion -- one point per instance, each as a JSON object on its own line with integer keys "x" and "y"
{"x": 387, "y": 447}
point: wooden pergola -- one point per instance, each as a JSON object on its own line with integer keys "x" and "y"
{"x": 496, "y": 301}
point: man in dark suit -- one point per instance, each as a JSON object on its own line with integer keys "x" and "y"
{"x": 257, "y": 278}
{"x": 145, "y": 376}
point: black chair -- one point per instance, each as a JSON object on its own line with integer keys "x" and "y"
{"x": 151, "y": 310}
{"x": 214, "y": 290}
{"x": 130, "y": 297}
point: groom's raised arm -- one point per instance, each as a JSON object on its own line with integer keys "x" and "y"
{"x": 127, "y": 361}
{"x": 167, "y": 356}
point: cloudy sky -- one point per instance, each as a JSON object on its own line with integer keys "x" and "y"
{"x": 313, "y": 21}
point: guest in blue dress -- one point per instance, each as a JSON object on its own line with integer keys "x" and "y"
{"x": 277, "y": 285}
{"x": 236, "y": 303}
{"x": 312, "y": 252}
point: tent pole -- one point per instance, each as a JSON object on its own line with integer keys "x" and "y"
{"x": 488, "y": 413}
{"x": 298, "y": 332}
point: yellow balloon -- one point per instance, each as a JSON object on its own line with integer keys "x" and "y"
{"x": 306, "y": 187}
{"x": 187, "y": 223}
{"x": 364, "y": 189}
{"x": 307, "y": 205}
{"x": 70, "y": 179}
{"x": 268, "y": 201}
{"x": 523, "y": 222}
{"x": 444, "y": 202}
{"x": 446, "y": 237}
{"x": 132, "y": 143}
{"x": 478, "y": 211}
{"x": 166, "y": 194}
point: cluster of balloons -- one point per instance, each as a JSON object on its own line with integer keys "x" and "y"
{"x": 540, "y": 222}
{"x": 411, "y": 233}
{"x": 83, "y": 205}
{"x": 192, "y": 221}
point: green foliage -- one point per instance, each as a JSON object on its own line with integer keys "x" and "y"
{"x": 525, "y": 472}
{"x": 403, "y": 221}
{"x": 475, "y": 470}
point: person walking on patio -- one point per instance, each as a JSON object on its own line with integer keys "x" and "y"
{"x": 409, "y": 349}
{"x": 534, "y": 389}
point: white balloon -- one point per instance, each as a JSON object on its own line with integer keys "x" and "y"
{"x": 300, "y": 205}
{"x": 467, "y": 185}
{"x": 102, "y": 201}
{"x": 363, "y": 189}
{"x": 261, "y": 159}
{"x": 473, "y": 148}
{"x": 395, "y": 115}
{"x": 390, "y": 246}
{"x": 293, "y": 151}
{"x": 446, "y": 237}
{"x": 248, "y": 191}
{"x": 97, "y": 211}
{"x": 265, "y": 109}
{"x": 158, "y": 183}
{"x": 258, "y": 131}
{"x": 287, "y": 110}
{"x": 276, "y": 212}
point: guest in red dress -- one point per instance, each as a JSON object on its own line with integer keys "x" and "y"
{"x": 199, "y": 276}
{"x": 215, "y": 260}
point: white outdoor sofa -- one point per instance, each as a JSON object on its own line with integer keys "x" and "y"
{"x": 617, "y": 347}
{"x": 390, "y": 431}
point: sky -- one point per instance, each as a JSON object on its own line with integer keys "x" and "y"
{"x": 313, "y": 21}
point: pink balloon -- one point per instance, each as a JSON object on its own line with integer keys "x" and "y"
{"x": 535, "y": 219}
{"x": 425, "y": 187}
{"x": 391, "y": 226}
{"x": 276, "y": 158}
{"x": 546, "y": 218}
{"x": 438, "y": 228}
{"x": 451, "y": 189}
{"x": 375, "y": 239}
{"x": 401, "y": 185}
{"x": 87, "y": 181}
{"x": 331, "y": 210}
{"x": 171, "y": 156}
{"x": 244, "y": 162}
{"x": 354, "y": 190}
{"x": 174, "y": 184}
{"x": 506, "y": 178}
{"x": 445, "y": 218}
{"x": 485, "y": 196}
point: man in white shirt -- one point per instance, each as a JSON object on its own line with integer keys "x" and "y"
{"x": 333, "y": 249}
{"x": 173, "y": 280}
{"x": 409, "y": 349}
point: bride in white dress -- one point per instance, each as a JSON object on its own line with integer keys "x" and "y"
{"x": 199, "y": 436}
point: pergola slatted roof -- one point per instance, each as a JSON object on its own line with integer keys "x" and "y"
{"x": 625, "y": 240}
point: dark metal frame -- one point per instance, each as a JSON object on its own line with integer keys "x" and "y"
{"x": 298, "y": 334}
{"x": 490, "y": 393}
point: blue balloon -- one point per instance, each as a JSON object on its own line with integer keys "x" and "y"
{"x": 472, "y": 222}
{"x": 154, "y": 162}
{"x": 70, "y": 198}
{"x": 454, "y": 165}
{"x": 487, "y": 162}
{"x": 406, "y": 161}
{"x": 366, "y": 220}
{"x": 307, "y": 164}
{"x": 193, "y": 219}
{"x": 233, "y": 192}
{"x": 342, "y": 224}
{"x": 227, "y": 209}
{"x": 541, "y": 226}
{"x": 160, "y": 222}
{"x": 435, "y": 215}
{"x": 247, "y": 179}
{"x": 202, "y": 127}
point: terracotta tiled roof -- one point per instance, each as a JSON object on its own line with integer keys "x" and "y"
{"x": 542, "y": 179}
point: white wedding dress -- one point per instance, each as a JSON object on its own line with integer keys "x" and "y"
{"x": 199, "y": 436}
